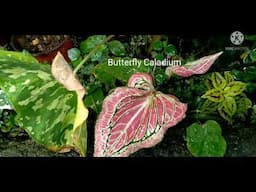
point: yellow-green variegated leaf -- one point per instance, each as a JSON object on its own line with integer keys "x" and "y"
{"x": 228, "y": 77}
{"x": 218, "y": 81}
{"x": 52, "y": 115}
{"x": 234, "y": 88}
{"x": 214, "y": 95}
{"x": 229, "y": 106}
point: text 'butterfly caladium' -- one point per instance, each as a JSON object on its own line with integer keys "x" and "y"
{"x": 199, "y": 66}
{"x": 135, "y": 117}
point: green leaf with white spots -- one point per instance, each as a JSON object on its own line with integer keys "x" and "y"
{"x": 53, "y": 116}
{"x": 4, "y": 102}
{"x": 206, "y": 140}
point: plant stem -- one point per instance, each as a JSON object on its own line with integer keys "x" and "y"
{"x": 91, "y": 53}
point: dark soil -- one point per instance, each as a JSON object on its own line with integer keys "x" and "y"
{"x": 37, "y": 44}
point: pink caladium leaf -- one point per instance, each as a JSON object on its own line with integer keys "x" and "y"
{"x": 135, "y": 117}
{"x": 199, "y": 66}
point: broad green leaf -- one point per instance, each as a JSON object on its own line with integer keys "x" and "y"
{"x": 229, "y": 106}
{"x": 157, "y": 45}
{"x": 234, "y": 88}
{"x": 206, "y": 140}
{"x": 94, "y": 98}
{"x": 107, "y": 71}
{"x": 170, "y": 50}
{"x": 45, "y": 109}
{"x": 117, "y": 48}
{"x": 73, "y": 54}
{"x": 214, "y": 95}
{"x": 218, "y": 81}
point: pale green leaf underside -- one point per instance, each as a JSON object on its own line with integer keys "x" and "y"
{"x": 45, "y": 109}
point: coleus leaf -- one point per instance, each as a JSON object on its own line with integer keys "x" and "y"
{"x": 218, "y": 81}
{"x": 52, "y": 115}
{"x": 135, "y": 117}
{"x": 235, "y": 88}
{"x": 199, "y": 66}
{"x": 214, "y": 95}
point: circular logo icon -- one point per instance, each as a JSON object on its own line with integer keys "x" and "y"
{"x": 237, "y": 38}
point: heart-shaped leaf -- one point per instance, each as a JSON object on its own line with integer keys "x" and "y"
{"x": 135, "y": 117}
{"x": 199, "y": 66}
{"x": 206, "y": 140}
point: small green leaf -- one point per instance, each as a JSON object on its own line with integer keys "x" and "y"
{"x": 214, "y": 95}
{"x": 94, "y": 99}
{"x": 117, "y": 48}
{"x": 229, "y": 106}
{"x": 228, "y": 77}
{"x": 206, "y": 140}
{"x": 218, "y": 81}
{"x": 224, "y": 114}
{"x": 250, "y": 37}
{"x": 234, "y": 88}
{"x": 253, "y": 55}
{"x": 73, "y": 54}
{"x": 91, "y": 42}
{"x": 243, "y": 104}
{"x": 159, "y": 57}
{"x": 170, "y": 50}
{"x": 210, "y": 107}
{"x": 157, "y": 45}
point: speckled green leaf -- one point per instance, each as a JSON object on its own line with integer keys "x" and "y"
{"x": 4, "y": 102}
{"x": 206, "y": 140}
{"x": 45, "y": 109}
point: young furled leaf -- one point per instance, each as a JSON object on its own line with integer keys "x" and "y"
{"x": 135, "y": 117}
{"x": 199, "y": 66}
